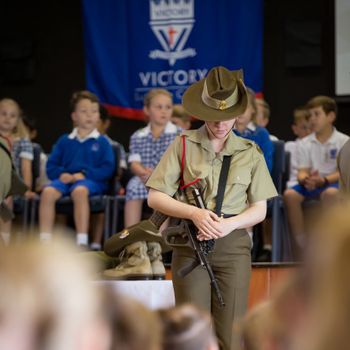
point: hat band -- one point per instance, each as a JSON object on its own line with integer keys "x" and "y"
{"x": 219, "y": 104}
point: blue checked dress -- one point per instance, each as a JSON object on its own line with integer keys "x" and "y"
{"x": 148, "y": 151}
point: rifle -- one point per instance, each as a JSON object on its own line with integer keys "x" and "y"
{"x": 176, "y": 237}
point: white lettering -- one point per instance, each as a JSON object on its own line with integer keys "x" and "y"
{"x": 170, "y": 77}
{"x": 180, "y": 77}
{"x": 144, "y": 77}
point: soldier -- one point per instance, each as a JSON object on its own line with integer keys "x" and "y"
{"x": 217, "y": 100}
{"x": 10, "y": 182}
{"x": 344, "y": 169}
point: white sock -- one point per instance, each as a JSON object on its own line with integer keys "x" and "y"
{"x": 45, "y": 237}
{"x": 95, "y": 246}
{"x": 6, "y": 237}
{"x": 82, "y": 238}
{"x": 267, "y": 246}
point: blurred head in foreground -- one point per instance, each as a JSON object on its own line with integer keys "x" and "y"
{"x": 47, "y": 300}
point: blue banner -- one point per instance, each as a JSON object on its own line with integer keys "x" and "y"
{"x": 132, "y": 46}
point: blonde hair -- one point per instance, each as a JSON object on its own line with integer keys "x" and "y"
{"x": 266, "y": 107}
{"x": 180, "y": 112}
{"x": 20, "y": 131}
{"x": 300, "y": 114}
{"x": 153, "y": 93}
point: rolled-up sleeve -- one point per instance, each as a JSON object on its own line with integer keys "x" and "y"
{"x": 261, "y": 186}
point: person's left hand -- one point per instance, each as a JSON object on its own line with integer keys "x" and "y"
{"x": 224, "y": 226}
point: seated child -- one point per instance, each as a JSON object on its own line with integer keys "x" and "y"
{"x": 80, "y": 165}
{"x": 13, "y": 130}
{"x": 245, "y": 127}
{"x": 318, "y": 175}
{"x": 181, "y": 118}
{"x": 147, "y": 146}
{"x": 98, "y": 219}
{"x": 301, "y": 128}
{"x": 262, "y": 117}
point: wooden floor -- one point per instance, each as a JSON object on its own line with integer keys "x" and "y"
{"x": 265, "y": 277}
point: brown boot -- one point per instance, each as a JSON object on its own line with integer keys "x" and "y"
{"x": 155, "y": 254}
{"x": 135, "y": 264}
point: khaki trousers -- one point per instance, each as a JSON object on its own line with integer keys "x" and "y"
{"x": 231, "y": 264}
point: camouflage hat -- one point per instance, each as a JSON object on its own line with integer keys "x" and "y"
{"x": 143, "y": 231}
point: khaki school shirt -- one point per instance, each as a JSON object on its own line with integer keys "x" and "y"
{"x": 248, "y": 179}
{"x": 343, "y": 162}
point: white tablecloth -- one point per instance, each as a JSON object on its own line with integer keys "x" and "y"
{"x": 153, "y": 294}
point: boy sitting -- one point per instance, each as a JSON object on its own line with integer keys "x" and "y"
{"x": 301, "y": 128}
{"x": 79, "y": 165}
{"x": 317, "y": 156}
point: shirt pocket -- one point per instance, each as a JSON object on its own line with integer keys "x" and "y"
{"x": 238, "y": 181}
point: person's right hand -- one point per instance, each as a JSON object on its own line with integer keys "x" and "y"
{"x": 66, "y": 178}
{"x": 207, "y": 223}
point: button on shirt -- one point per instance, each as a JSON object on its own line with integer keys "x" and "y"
{"x": 314, "y": 155}
{"x": 248, "y": 179}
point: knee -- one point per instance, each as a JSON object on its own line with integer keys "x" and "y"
{"x": 49, "y": 194}
{"x": 329, "y": 194}
{"x": 80, "y": 193}
{"x": 291, "y": 196}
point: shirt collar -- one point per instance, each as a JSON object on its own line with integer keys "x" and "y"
{"x": 233, "y": 143}
{"x": 170, "y": 128}
{"x": 332, "y": 139}
{"x": 94, "y": 134}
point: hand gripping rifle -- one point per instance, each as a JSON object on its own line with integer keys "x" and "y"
{"x": 186, "y": 234}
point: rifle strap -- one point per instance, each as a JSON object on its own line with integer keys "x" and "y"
{"x": 222, "y": 184}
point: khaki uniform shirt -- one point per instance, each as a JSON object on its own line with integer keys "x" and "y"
{"x": 248, "y": 179}
{"x": 10, "y": 183}
{"x": 344, "y": 168}
{"x": 5, "y": 179}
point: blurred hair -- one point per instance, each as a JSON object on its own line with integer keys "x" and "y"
{"x": 327, "y": 103}
{"x": 266, "y": 107}
{"x": 252, "y": 102}
{"x": 329, "y": 267}
{"x": 133, "y": 326}
{"x": 180, "y": 112}
{"x": 82, "y": 95}
{"x": 300, "y": 114}
{"x": 153, "y": 93}
{"x": 45, "y": 292}
{"x": 186, "y": 327}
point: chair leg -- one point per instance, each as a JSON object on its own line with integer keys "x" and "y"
{"x": 276, "y": 231}
{"x": 107, "y": 224}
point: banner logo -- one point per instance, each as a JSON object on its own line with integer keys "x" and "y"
{"x": 172, "y": 22}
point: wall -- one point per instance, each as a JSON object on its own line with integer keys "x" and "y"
{"x": 55, "y": 63}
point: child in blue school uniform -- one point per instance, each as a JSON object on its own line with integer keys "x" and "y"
{"x": 245, "y": 127}
{"x": 147, "y": 146}
{"x": 80, "y": 165}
